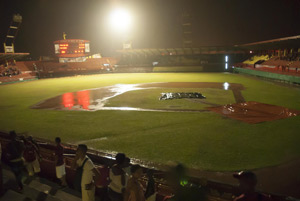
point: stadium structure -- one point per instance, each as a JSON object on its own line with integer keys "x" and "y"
{"x": 278, "y": 56}
{"x": 72, "y": 57}
{"x": 277, "y": 59}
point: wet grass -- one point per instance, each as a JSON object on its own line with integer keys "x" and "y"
{"x": 200, "y": 140}
{"x": 149, "y": 99}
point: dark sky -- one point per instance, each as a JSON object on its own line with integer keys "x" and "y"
{"x": 157, "y": 22}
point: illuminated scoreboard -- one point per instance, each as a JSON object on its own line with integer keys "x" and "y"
{"x": 72, "y": 48}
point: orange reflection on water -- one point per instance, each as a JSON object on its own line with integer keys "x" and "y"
{"x": 83, "y": 98}
{"x": 68, "y": 100}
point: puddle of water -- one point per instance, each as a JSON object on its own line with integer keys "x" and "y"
{"x": 95, "y": 99}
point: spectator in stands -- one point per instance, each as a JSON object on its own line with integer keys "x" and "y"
{"x": 126, "y": 167}
{"x": 1, "y": 174}
{"x": 89, "y": 170}
{"x": 150, "y": 194}
{"x": 134, "y": 190}
{"x": 117, "y": 176}
{"x": 30, "y": 138}
{"x": 184, "y": 190}
{"x": 31, "y": 156}
{"x": 9, "y": 71}
{"x": 247, "y": 183}
{"x": 59, "y": 162}
{"x": 15, "y": 149}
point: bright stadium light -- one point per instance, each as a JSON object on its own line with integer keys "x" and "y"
{"x": 226, "y": 86}
{"x": 120, "y": 19}
{"x": 226, "y": 58}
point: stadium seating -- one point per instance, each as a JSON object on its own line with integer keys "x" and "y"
{"x": 13, "y": 73}
{"x": 215, "y": 191}
{"x": 288, "y": 65}
{"x": 275, "y": 61}
{"x": 91, "y": 65}
{"x": 26, "y": 65}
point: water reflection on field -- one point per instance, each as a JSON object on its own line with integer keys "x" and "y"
{"x": 95, "y": 99}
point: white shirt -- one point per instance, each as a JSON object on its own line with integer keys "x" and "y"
{"x": 87, "y": 174}
{"x": 116, "y": 182}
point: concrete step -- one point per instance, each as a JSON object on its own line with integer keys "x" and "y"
{"x": 65, "y": 196}
{"x": 55, "y": 190}
{"x": 7, "y": 175}
{"x": 34, "y": 194}
{"x": 37, "y": 189}
{"x": 40, "y": 186}
{"x": 14, "y": 196}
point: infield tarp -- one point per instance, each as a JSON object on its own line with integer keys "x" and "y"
{"x": 254, "y": 112}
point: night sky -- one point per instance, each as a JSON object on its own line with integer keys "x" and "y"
{"x": 157, "y": 23}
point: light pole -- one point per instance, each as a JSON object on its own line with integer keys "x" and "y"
{"x": 120, "y": 21}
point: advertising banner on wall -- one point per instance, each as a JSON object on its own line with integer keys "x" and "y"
{"x": 9, "y": 49}
{"x": 87, "y": 47}
{"x": 127, "y": 46}
{"x": 56, "y": 47}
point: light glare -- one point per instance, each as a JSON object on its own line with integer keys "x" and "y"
{"x": 120, "y": 19}
{"x": 226, "y": 86}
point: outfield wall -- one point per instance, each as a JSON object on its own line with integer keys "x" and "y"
{"x": 133, "y": 69}
{"x": 179, "y": 69}
{"x": 211, "y": 67}
{"x": 273, "y": 76}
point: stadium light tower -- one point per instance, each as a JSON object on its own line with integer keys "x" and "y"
{"x": 120, "y": 20}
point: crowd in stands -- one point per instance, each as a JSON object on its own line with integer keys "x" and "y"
{"x": 9, "y": 71}
{"x": 288, "y": 63}
{"x": 294, "y": 56}
{"x": 125, "y": 179}
{"x": 290, "y": 57}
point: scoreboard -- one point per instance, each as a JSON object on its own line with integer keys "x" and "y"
{"x": 72, "y": 48}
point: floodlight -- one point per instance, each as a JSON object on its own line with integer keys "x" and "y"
{"x": 120, "y": 19}
{"x": 226, "y": 86}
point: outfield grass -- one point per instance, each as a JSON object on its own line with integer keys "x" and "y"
{"x": 200, "y": 140}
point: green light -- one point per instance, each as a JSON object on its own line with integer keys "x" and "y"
{"x": 183, "y": 182}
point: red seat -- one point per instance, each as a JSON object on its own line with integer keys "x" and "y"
{"x": 103, "y": 181}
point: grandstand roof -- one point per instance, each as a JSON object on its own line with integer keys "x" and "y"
{"x": 9, "y": 56}
{"x": 286, "y": 42}
{"x": 182, "y": 51}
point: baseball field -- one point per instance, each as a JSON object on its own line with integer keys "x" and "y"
{"x": 163, "y": 131}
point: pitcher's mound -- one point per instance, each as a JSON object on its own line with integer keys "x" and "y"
{"x": 254, "y": 112}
